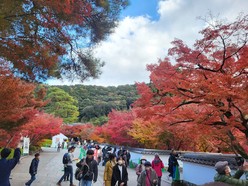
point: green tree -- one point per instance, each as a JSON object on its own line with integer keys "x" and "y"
{"x": 99, "y": 120}
{"x": 62, "y": 105}
{"x": 98, "y": 101}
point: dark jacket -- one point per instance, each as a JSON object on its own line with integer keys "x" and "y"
{"x": 34, "y": 166}
{"x": 116, "y": 177}
{"x": 90, "y": 167}
{"x": 6, "y": 166}
{"x": 172, "y": 162}
{"x": 232, "y": 180}
{"x": 128, "y": 155}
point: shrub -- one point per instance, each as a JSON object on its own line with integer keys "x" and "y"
{"x": 45, "y": 143}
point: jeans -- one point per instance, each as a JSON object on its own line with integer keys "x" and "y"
{"x": 31, "y": 179}
{"x": 66, "y": 178}
{"x": 68, "y": 171}
{"x": 85, "y": 182}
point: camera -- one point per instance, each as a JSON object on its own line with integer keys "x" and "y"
{"x": 240, "y": 161}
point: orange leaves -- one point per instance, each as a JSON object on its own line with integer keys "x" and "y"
{"x": 17, "y": 106}
{"x": 19, "y": 114}
{"x": 145, "y": 132}
{"x": 44, "y": 38}
{"x": 19, "y": 103}
{"x": 205, "y": 91}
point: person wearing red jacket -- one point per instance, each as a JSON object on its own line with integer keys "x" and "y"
{"x": 158, "y": 165}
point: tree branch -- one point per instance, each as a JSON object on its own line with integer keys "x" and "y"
{"x": 186, "y": 103}
{"x": 184, "y": 121}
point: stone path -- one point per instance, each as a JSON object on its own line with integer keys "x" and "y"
{"x": 51, "y": 169}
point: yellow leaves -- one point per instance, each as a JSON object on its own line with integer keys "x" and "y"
{"x": 145, "y": 132}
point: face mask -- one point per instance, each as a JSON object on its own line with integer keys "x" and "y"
{"x": 120, "y": 162}
{"x": 143, "y": 161}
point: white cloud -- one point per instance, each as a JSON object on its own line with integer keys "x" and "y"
{"x": 139, "y": 41}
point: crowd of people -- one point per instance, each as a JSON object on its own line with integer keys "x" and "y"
{"x": 115, "y": 170}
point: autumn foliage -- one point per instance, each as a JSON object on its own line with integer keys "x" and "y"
{"x": 84, "y": 131}
{"x": 44, "y": 39}
{"x": 41, "y": 126}
{"x": 19, "y": 103}
{"x": 204, "y": 94}
{"x": 196, "y": 99}
{"x": 115, "y": 131}
{"x": 20, "y": 111}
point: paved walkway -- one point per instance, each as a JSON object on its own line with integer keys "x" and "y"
{"x": 51, "y": 169}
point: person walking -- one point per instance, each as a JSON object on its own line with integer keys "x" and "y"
{"x": 33, "y": 168}
{"x": 99, "y": 157}
{"x": 148, "y": 177}
{"x": 140, "y": 167}
{"x": 158, "y": 165}
{"x": 124, "y": 157}
{"x": 128, "y": 157}
{"x": 6, "y": 166}
{"x": 59, "y": 147}
{"x": 120, "y": 175}
{"x": 68, "y": 159}
{"x": 108, "y": 170}
{"x": 172, "y": 164}
{"x": 89, "y": 168}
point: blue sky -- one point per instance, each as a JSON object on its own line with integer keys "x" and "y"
{"x": 141, "y": 8}
{"x": 145, "y": 31}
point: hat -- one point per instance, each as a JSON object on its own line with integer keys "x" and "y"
{"x": 143, "y": 158}
{"x": 220, "y": 166}
{"x": 147, "y": 164}
{"x": 90, "y": 152}
{"x": 70, "y": 148}
{"x": 5, "y": 153}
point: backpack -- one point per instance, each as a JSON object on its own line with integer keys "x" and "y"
{"x": 66, "y": 158}
{"x": 78, "y": 174}
{"x": 83, "y": 171}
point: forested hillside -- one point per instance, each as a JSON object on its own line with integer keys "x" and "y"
{"x": 95, "y": 102}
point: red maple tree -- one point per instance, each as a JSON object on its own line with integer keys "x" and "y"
{"x": 205, "y": 88}
{"x": 115, "y": 131}
{"x": 83, "y": 131}
{"x": 41, "y": 126}
{"x": 20, "y": 101}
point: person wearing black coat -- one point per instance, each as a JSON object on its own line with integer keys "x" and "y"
{"x": 89, "y": 167}
{"x": 172, "y": 162}
{"x": 120, "y": 175}
{"x": 6, "y": 166}
{"x": 128, "y": 157}
{"x": 33, "y": 168}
